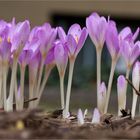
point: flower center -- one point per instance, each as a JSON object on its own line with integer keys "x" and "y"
{"x": 0, "y": 39}
{"x": 8, "y": 39}
{"x": 76, "y": 38}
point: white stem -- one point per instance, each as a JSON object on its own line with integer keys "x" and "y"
{"x": 62, "y": 91}
{"x": 113, "y": 65}
{"x": 46, "y": 76}
{"x": 71, "y": 67}
{"x": 127, "y": 77}
{"x": 12, "y": 85}
{"x": 39, "y": 77}
{"x": 16, "y": 95}
{"x": 21, "y": 96}
{"x": 5, "y": 69}
{"x": 32, "y": 79}
{"x": 98, "y": 52}
{"x": 134, "y": 102}
{"x": 1, "y": 94}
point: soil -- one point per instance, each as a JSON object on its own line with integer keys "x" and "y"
{"x": 30, "y": 124}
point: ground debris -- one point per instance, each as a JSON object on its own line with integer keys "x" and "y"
{"x": 39, "y": 124}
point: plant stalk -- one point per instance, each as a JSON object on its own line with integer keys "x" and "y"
{"x": 21, "y": 96}
{"x": 98, "y": 52}
{"x": 5, "y": 70}
{"x": 32, "y": 82}
{"x": 12, "y": 85}
{"x": 1, "y": 95}
{"x": 71, "y": 67}
{"x": 62, "y": 91}
{"x": 134, "y": 102}
{"x": 39, "y": 77}
{"x": 113, "y": 65}
{"x": 45, "y": 79}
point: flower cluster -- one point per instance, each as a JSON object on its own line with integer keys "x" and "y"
{"x": 118, "y": 44}
{"x": 39, "y": 49}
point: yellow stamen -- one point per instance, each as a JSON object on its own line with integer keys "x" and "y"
{"x": 8, "y": 39}
{"x": 0, "y": 39}
{"x": 76, "y": 38}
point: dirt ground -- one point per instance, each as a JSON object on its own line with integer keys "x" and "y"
{"x": 38, "y": 124}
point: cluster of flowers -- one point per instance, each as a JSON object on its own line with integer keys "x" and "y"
{"x": 43, "y": 47}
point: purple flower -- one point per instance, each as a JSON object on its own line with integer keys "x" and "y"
{"x": 18, "y": 35}
{"x": 5, "y": 50}
{"x": 126, "y": 34}
{"x": 46, "y": 35}
{"x": 130, "y": 51}
{"x": 61, "y": 56}
{"x": 50, "y": 57}
{"x": 75, "y": 39}
{"x": 112, "y": 39}
{"x": 96, "y": 27}
{"x": 4, "y": 29}
{"x": 35, "y": 61}
{"x": 62, "y": 35}
{"x": 25, "y": 57}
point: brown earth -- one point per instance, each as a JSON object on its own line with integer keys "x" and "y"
{"x": 38, "y": 124}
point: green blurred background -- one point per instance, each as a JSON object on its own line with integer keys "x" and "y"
{"x": 65, "y": 13}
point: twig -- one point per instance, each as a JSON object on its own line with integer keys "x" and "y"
{"x": 130, "y": 83}
{"x": 27, "y": 101}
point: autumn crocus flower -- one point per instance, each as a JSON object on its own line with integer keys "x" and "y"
{"x": 74, "y": 41}
{"x": 127, "y": 34}
{"x": 18, "y": 36}
{"x": 136, "y": 83}
{"x": 113, "y": 45}
{"x": 61, "y": 59}
{"x": 130, "y": 52}
{"x": 46, "y": 34}
{"x": 96, "y": 27}
{"x": 121, "y": 85}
